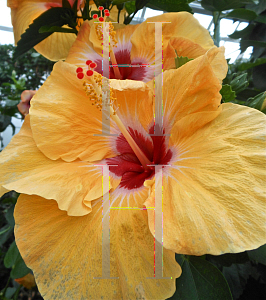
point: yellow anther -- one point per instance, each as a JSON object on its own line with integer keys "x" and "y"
{"x": 91, "y": 92}
{"x": 95, "y": 89}
{"x": 99, "y": 32}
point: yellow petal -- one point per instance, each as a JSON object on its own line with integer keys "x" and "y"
{"x": 214, "y": 194}
{"x": 181, "y": 30}
{"x": 180, "y": 46}
{"x": 189, "y": 124}
{"x": 23, "y": 13}
{"x": 195, "y": 86}
{"x": 65, "y": 253}
{"x": 26, "y": 170}
{"x": 63, "y": 120}
{"x": 135, "y": 100}
{"x": 65, "y": 123}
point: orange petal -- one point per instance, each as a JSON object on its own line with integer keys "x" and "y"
{"x": 65, "y": 253}
{"x": 72, "y": 185}
{"x": 23, "y": 13}
{"x": 214, "y": 194}
{"x": 65, "y": 123}
{"x": 28, "y": 281}
{"x": 195, "y": 86}
{"x": 82, "y": 49}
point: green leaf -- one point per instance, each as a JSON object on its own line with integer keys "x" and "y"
{"x": 237, "y": 276}
{"x": 248, "y": 65}
{"x": 66, "y": 4}
{"x": 258, "y": 255}
{"x": 20, "y": 269}
{"x": 244, "y": 44}
{"x": 180, "y": 61}
{"x": 261, "y": 19}
{"x": 241, "y": 13}
{"x": 99, "y": 2}
{"x": 220, "y": 5}
{"x": 4, "y": 237}
{"x": 11, "y": 255}
{"x": 200, "y": 280}
{"x": 140, "y": 4}
{"x": 259, "y": 75}
{"x": 56, "y": 29}
{"x": 75, "y": 7}
{"x": 10, "y": 291}
{"x": 257, "y": 102}
{"x": 55, "y": 16}
{"x": 13, "y": 128}
{"x": 9, "y": 215}
{"x": 257, "y": 7}
{"x": 117, "y": 2}
{"x": 130, "y": 7}
{"x": 170, "y": 5}
{"x": 238, "y": 34}
{"x": 4, "y": 122}
{"x": 239, "y": 83}
{"x": 5, "y": 229}
{"x": 228, "y": 95}
{"x": 226, "y": 260}
{"x": 14, "y": 260}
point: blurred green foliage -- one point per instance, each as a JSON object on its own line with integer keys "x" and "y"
{"x": 16, "y": 75}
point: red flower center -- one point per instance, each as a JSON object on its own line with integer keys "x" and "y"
{"x": 128, "y": 165}
{"x": 128, "y": 70}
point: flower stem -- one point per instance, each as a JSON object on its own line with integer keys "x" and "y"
{"x": 7, "y": 284}
{"x": 216, "y": 22}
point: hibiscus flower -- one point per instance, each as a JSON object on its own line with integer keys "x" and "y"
{"x": 56, "y": 46}
{"x": 213, "y": 186}
{"x": 23, "y": 12}
{"x": 133, "y": 47}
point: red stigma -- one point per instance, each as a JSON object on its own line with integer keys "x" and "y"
{"x": 106, "y": 11}
{"x": 107, "y": 14}
{"x": 101, "y": 19}
{"x": 80, "y": 75}
{"x": 100, "y": 7}
{"x": 89, "y": 73}
{"x": 88, "y": 62}
{"x": 95, "y": 16}
{"x": 93, "y": 65}
{"x": 79, "y": 70}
